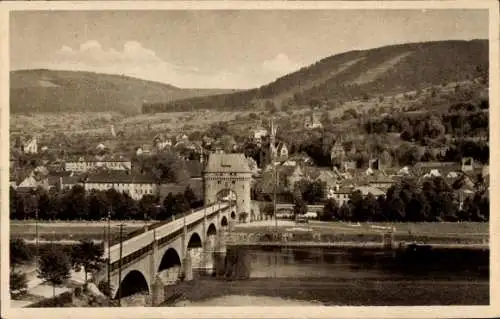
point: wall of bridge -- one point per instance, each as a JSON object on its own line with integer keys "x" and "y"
{"x": 144, "y": 255}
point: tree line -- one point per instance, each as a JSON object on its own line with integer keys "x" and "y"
{"x": 78, "y": 204}
{"x": 434, "y": 201}
{"x": 54, "y": 263}
{"x": 462, "y": 119}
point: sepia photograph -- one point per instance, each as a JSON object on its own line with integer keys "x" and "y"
{"x": 249, "y": 157}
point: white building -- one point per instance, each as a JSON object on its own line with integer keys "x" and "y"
{"x": 85, "y": 164}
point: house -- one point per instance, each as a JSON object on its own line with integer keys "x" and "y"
{"x": 365, "y": 190}
{"x": 381, "y": 182}
{"x": 349, "y": 165}
{"x": 55, "y": 178}
{"x": 327, "y": 176}
{"x": 341, "y": 194}
{"x": 181, "y": 138}
{"x": 207, "y": 141}
{"x": 161, "y": 142}
{"x": 312, "y": 121}
{"x": 447, "y": 169}
{"x": 144, "y": 150}
{"x": 258, "y": 134}
{"x": 83, "y": 164}
{"x": 285, "y": 178}
{"x": 280, "y": 152}
{"x": 135, "y": 185}
{"x": 30, "y": 146}
{"x": 38, "y": 178}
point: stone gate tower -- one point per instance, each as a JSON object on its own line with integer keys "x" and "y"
{"x": 228, "y": 172}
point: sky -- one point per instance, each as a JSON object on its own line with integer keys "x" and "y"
{"x": 220, "y": 49}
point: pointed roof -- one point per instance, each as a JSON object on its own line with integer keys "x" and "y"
{"x": 227, "y": 163}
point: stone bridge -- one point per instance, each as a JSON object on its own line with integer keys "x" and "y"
{"x": 169, "y": 253}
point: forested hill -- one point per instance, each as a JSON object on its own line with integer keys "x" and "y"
{"x": 357, "y": 74}
{"x": 41, "y": 90}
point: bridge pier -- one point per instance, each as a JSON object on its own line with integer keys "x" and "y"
{"x": 158, "y": 292}
{"x": 152, "y": 271}
{"x": 187, "y": 268}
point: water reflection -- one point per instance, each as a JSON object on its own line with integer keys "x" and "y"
{"x": 368, "y": 263}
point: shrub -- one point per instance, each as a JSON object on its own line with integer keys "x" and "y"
{"x": 63, "y": 300}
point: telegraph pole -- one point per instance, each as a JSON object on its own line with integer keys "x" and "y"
{"x": 109, "y": 248}
{"x": 120, "y": 269}
{"x": 275, "y": 177}
{"x": 36, "y": 234}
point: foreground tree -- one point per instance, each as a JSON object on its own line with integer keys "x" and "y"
{"x": 54, "y": 267}
{"x": 300, "y": 207}
{"x": 88, "y": 256}
{"x": 18, "y": 283}
{"x": 268, "y": 210}
{"x": 330, "y": 210}
{"x": 19, "y": 253}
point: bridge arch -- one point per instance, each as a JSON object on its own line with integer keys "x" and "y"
{"x": 195, "y": 241}
{"x": 170, "y": 259}
{"x": 134, "y": 282}
{"x": 212, "y": 230}
{"x": 224, "y": 222}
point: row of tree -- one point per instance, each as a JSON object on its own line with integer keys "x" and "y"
{"x": 78, "y": 204}
{"x": 406, "y": 202}
{"x": 54, "y": 264}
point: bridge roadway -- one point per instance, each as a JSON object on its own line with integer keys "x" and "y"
{"x": 165, "y": 253}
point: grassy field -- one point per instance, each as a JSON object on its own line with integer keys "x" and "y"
{"x": 70, "y": 230}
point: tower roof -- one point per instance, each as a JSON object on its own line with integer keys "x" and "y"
{"x": 227, "y": 163}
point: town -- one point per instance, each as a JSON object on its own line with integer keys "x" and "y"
{"x": 171, "y": 165}
{"x": 332, "y": 176}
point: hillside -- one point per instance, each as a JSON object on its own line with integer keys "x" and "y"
{"x": 35, "y": 91}
{"x": 357, "y": 75}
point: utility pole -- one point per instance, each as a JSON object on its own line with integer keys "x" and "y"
{"x": 275, "y": 177}
{"x": 36, "y": 235}
{"x": 120, "y": 269}
{"x": 108, "y": 239}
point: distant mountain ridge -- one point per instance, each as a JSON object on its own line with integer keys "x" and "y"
{"x": 358, "y": 74}
{"x": 42, "y": 90}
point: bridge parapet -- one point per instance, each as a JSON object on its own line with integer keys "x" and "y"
{"x": 147, "y": 238}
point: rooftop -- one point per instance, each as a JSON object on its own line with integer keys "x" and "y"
{"x": 120, "y": 177}
{"x": 227, "y": 163}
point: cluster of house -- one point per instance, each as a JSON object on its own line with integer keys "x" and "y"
{"x": 344, "y": 177}
{"x": 107, "y": 172}
{"x": 339, "y": 184}
{"x": 28, "y": 145}
{"x": 283, "y": 171}
{"x": 102, "y": 173}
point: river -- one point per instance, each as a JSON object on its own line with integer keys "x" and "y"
{"x": 355, "y": 277}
